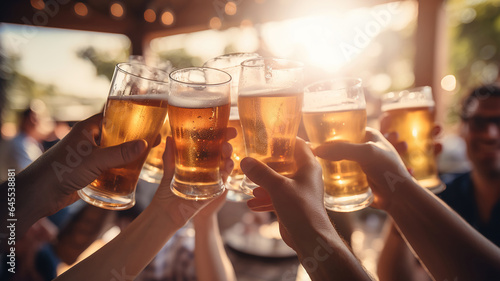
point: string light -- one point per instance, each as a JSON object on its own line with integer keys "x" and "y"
{"x": 167, "y": 18}
{"x": 116, "y": 10}
{"x": 81, "y": 9}
{"x": 38, "y": 4}
{"x": 230, "y": 8}
{"x": 215, "y": 23}
{"x": 149, "y": 15}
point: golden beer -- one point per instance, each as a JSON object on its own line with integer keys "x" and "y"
{"x": 335, "y": 111}
{"x": 238, "y": 145}
{"x": 341, "y": 178}
{"x": 128, "y": 118}
{"x": 231, "y": 63}
{"x": 152, "y": 171}
{"x": 414, "y": 125}
{"x": 198, "y": 131}
{"x": 270, "y": 124}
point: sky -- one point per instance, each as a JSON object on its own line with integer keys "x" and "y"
{"x": 49, "y": 56}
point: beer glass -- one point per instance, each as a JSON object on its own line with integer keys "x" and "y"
{"x": 335, "y": 111}
{"x": 231, "y": 63}
{"x": 135, "y": 109}
{"x": 199, "y": 104}
{"x": 411, "y": 114}
{"x": 152, "y": 171}
{"x": 270, "y": 96}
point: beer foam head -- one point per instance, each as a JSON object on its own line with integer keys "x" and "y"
{"x": 142, "y": 97}
{"x": 267, "y": 91}
{"x": 198, "y": 99}
{"x": 413, "y": 104}
{"x": 335, "y": 107}
{"x": 332, "y": 100}
{"x": 412, "y": 98}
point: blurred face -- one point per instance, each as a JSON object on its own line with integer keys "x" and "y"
{"x": 481, "y": 132}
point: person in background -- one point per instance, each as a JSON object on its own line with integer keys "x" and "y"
{"x": 35, "y": 124}
{"x": 474, "y": 195}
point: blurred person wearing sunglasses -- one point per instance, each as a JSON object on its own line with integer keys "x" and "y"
{"x": 474, "y": 195}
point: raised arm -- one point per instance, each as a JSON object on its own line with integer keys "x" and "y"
{"x": 304, "y": 223}
{"x": 126, "y": 256}
{"x": 448, "y": 246}
{"x": 50, "y": 183}
{"x": 212, "y": 262}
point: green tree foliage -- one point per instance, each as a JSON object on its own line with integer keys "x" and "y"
{"x": 474, "y": 45}
{"x": 103, "y": 64}
{"x": 180, "y": 58}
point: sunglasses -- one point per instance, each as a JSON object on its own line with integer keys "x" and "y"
{"x": 478, "y": 123}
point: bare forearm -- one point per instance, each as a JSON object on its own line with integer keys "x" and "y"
{"x": 448, "y": 246}
{"x": 324, "y": 254}
{"x": 212, "y": 263}
{"x": 127, "y": 255}
{"x": 397, "y": 262}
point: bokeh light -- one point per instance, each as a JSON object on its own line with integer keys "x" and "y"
{"x": 117, "y": 10}
{"x": 167, "y": 18}
{"x": 81, "y": 9}
{"x": 149, "y": 15}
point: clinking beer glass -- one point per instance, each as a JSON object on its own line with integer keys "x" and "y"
{"x": 270, "y": 96}
{"x": 335, "y": 111}
{"x": 198, "y": 113}
{"x": 231, "y": 63}
{"x": 136, "y": 109}
{"x": 411, "y": 114}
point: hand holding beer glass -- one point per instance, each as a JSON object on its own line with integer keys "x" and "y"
{"x": 270, "y": 96}
{"x": 411, "y": 114}
{"x": 335, "y": 111}
{"x": 231, "y": 63}
{"x": 198, "y": 113}
{"x": 136, "y": 109}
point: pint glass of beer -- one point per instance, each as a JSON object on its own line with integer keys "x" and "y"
{"x": 136, "y": 109}
{"x": 199, "y": 108}
{"x": 335, "y": 111}
{"x": 231, "y": 63}
{"x": 152, "y": 171}
{"x": 411, "y": 114}
{"x": 270, "y": 96}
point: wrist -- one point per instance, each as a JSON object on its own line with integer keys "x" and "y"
{"x": 310, "y": 223}
{"x": 205, "y": 222}
{"x": 402, "y": 195}
{"x": 177, "y": 211}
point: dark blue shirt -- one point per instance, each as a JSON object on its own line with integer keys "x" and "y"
{"x": 459, "y": 195}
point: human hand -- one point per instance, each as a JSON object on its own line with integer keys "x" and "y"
{"x": 210, "y": 210}
{"x": 298, "y": 201}
{"x": 76, "y": 161}
{"x": 181, "y": 210}
{"x": 401, "y": 146}
{"x": 378, "y": 159}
